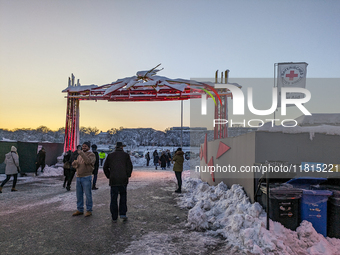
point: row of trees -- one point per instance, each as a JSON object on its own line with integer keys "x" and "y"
{"x": 130, "y": 136}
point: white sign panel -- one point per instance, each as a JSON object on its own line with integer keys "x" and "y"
{"x": 291, "y": 75}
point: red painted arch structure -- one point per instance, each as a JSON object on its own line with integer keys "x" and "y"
{"x": 144, "y": 86}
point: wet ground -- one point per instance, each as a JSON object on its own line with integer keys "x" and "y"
{"x": 38, "y": 219}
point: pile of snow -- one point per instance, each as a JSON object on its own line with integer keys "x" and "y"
{"x": 191, "y": 163}
{"x": 51, "y": 171}
{"x": 138, "y": 161}
{"x": 228, "y": 213}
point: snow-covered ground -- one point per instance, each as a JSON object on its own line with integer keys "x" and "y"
{"x": 219, "y": 215}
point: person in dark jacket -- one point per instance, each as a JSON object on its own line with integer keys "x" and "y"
{"x": 118, "y": 168}
{"x": 96, "y": 167}
{"x": 67, "y": 166}
{"x": 168, "y": 162}
{"x": 163, "y": 160}
{"x": 155, "y": 158}
{"x": 178, "y": 168}
{"x": 73, "y": 157}
{"x": 147, "y": 157}
{"x": 40, "y": 162}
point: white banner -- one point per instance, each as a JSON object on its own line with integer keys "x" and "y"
{"x": 291, "y": 75}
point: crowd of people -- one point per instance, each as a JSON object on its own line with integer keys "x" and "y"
{"x": 84, "y": 162}
{"x": 164, "y": 159}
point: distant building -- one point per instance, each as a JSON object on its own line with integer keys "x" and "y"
{"x": 237, "y": 131}
{"x": 317, "y": 119}
{"x": 188, "y": 129}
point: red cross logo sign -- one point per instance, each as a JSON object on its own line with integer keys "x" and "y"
{"x": 291, "y": 75}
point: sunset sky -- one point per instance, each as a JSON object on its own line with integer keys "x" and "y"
{"x": 43, "y": 41}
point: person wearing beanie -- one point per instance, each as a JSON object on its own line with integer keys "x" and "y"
{"x": 88, "y": 144}
{"x": 40, "y": 162}
{"x": 12, "y": 168}
{"x": 84, "y": 165}
{"x": 96, "y": 167}
{"x": 178, "y": 168}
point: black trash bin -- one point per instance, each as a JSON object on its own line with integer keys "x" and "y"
{"x": 333, "y": 223}
{"x": 284, "y": 206}
{"x": 333, "y": 209}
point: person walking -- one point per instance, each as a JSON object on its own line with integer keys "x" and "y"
{"x": 40, "y": 162}
{"x": 67, "y": 166}
{"x": 12, "y": 168}
{"x": 163, "y": 160}
{"x": 84, "y": 168}
{"x": 147, "y": 157}
{"x": 102, "y": 156}
{"x": 96, "y": 167}
{"x": 178, "y": 168}
{"x": 118, "y": 168}
{"x": 155, "y": 159}
{"x": 168, "y": 162}
{"x": 74, "y": 156}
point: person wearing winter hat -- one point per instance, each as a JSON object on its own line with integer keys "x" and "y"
{"x": 96, "y": 167}
{"x": 118, "y": 168}
{"x": 40, "y": 162}
{"x": 178, "y": 168}
{"x": 12, "y": 168}
{"x": 84, "y": 168}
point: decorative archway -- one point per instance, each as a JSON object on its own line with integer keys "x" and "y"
{"x": 144, "y": 86}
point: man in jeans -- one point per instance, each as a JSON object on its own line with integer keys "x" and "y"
{"x": 84, "y": 167}
{"x": 118, "y": 169}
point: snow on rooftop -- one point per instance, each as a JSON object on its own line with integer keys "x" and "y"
{"x": 322, "y": 129}
{"x": 79, "y": 88}
{"x": 319, "y": 119}
{"x": 149, "y": 79}
{"x": 7, "y": 140}
{"x": 325, "y": 123}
